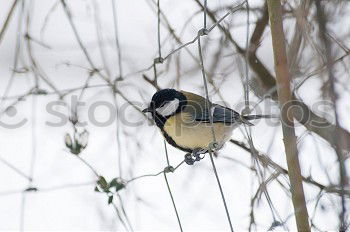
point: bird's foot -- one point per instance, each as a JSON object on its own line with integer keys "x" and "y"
{"x": 189, "y": 159}
{"x": 195, "y": 156}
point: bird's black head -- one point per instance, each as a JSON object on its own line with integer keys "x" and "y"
{"x": 166, "y": 103}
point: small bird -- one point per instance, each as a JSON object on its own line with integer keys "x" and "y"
{"x": 185, "y": 121}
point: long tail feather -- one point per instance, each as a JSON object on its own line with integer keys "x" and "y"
{"x": 246, "y": 118}
{"x": 253, "y": 117}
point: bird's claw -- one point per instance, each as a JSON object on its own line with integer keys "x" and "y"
{"x": 189, "y": 159}
{"x": 195, "y": 156}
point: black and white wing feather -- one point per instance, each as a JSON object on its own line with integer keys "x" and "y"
{"x": 220, "y": 114}
{"x": 198, "y": 110}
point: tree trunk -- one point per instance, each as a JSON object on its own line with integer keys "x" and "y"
{"x": 285, "y": 102}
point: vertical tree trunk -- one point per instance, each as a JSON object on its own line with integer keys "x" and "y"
{"x": 285, "y": 101}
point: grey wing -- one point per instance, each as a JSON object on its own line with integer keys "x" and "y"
{"x": 220, "y": 114}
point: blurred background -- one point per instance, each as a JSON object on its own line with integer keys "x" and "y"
{"x": 75, "y": 74}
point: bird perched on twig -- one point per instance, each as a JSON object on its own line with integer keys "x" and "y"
{"x": 186, "y": 122}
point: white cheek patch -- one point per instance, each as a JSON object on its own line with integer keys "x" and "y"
{"x": 169, "y": 108}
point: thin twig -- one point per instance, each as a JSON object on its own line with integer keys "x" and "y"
{"x": 173, "y": 201}
{"x": 18, "y": 171}
{"x": 209, "y": 108}
{"x": 116, "y": 35}
{"x": 153, "y": 175}
{"x": 158, "y": 29}
{"x": 166, "y": 153}
{"x": 246, "y": 82}
{"x": 337, "y": 138}
{"x": 7, "y": 20}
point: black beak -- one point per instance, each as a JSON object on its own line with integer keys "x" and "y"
{"x": 147, "y": 110}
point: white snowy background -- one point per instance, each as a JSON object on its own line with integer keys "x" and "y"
{"x": 38, "y": 149}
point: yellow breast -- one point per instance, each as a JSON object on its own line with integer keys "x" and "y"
{"x": 192, "y": 134}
